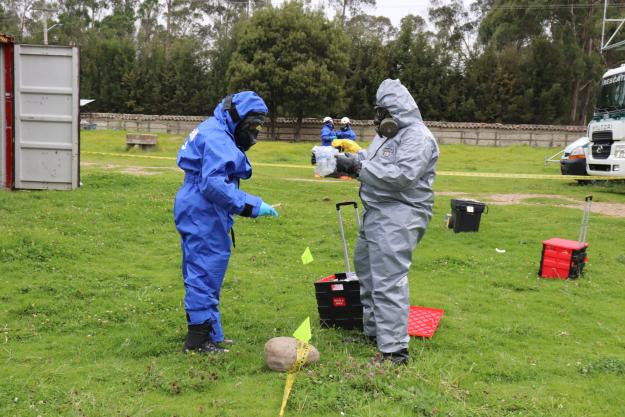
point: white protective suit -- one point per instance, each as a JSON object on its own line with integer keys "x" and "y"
{"x": 396, "y": 178}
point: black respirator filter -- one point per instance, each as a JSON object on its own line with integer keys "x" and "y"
{"x": 388, "y": 127}
{"x": 385, "y": 125}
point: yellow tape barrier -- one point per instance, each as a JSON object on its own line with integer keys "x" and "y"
{"x": 129, "y": 155}
{"x": 303, "y": 349}
{"x": 438, "y": 173}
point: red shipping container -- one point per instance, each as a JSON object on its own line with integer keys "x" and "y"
{"x": 6, "y": 111}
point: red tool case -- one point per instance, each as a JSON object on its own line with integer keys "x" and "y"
{"x": 562, "y": 258}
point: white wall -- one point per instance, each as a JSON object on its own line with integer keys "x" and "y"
{"x": 486, "y": 134}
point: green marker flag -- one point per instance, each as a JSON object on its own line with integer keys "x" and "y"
{"x": 307, "y": 256}
{"x": 303, "y": 332}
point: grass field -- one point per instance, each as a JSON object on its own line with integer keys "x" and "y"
{"x": 92, "y": 321}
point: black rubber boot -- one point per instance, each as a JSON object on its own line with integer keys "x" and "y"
{"x": 397, "y": 358}
{"x": 198, "y": 340}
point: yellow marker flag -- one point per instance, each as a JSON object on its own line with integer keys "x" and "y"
{"x": 307, "y": 256}
{"x": 303, "y": 335}
{"x": 303, "y": 332}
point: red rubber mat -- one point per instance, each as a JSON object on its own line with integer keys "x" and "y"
{"x": 423, "y": 321}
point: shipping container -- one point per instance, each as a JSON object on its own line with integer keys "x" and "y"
{"x": 6, "y": 112}
{"x": 40, "y": 116}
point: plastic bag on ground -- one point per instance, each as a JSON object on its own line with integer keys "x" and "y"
{"x": 326, "y": 161}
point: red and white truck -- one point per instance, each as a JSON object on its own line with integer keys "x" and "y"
{"x": 606, "y": 156}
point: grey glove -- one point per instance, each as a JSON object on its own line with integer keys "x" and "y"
{"x": 348, "y": 164}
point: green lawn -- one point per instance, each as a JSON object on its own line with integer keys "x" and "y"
{"x": 92, "y": 321}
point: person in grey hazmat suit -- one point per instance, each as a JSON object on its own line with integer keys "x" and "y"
{"x": 396, "y": 174}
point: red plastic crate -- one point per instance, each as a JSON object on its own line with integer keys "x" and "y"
{"x": 562, "y": 258}
{"x": 423, "y": 321}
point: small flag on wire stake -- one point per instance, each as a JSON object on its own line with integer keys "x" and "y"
{"x": 303, "y": 335}
{"x": 307, "y": 256}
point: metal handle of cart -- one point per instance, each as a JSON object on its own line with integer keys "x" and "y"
{"x": 585, "y": 218}
{"x": 338, "y": 210}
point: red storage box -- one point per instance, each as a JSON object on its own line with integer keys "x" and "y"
{"x": 563, "y": 259}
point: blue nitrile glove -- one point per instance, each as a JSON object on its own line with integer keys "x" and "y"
{"x": 267, "y": 210}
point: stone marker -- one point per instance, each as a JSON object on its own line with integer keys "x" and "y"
{"x": 281, "y": 352}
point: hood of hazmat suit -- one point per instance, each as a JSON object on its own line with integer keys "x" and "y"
{"x": 400, "y": 169}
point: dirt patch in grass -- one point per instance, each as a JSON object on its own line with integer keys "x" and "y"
{"x": 551, "y": 200}
{"x": 138, "y": 171}
{"x": 130, "y": 169}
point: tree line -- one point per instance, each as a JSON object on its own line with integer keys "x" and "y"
{"x": 508, "y": 61}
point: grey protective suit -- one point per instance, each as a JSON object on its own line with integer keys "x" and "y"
{"x": 396, "y": 178}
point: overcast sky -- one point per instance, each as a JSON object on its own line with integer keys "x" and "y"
{"x": 393, "y": 9}
{"x": 396, "y": 9}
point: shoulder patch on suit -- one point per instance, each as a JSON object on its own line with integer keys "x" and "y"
{"x": 191, "y": 138}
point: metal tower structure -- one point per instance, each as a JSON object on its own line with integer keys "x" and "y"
{"x": 617, "y": 38}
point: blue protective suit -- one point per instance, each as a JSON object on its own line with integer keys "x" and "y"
{"x": 327, "y": 134}
{"x": 346, "y": 133}
{"x": 205, "y": 205}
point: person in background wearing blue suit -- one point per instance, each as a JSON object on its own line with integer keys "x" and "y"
{"x": 346, "y": 132}
{"x": 327, "y": 132}
{"x": 214, "y": 161}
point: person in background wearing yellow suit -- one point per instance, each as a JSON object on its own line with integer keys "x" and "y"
{"x": 346, "y": 145}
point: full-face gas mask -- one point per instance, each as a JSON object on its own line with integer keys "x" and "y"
{"x": 385, "y": 124}
{"x": 247, "y": 131}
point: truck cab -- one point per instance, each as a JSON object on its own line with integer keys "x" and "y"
{"x": 606, "y": 131}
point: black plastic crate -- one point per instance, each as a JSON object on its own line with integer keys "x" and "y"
{"x": 466, "y": 215}
{"x": 338, "y": 302}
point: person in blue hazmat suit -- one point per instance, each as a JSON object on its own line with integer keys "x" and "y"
{"x": 214, "y": 161}
{"x": 328, "y": 134}
{"x": 396, "y": 175}
{"x": 345, "y": 131}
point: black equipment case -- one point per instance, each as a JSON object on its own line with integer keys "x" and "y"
{"x": 466, "y": 215}
{"x": 338, "y": 295}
